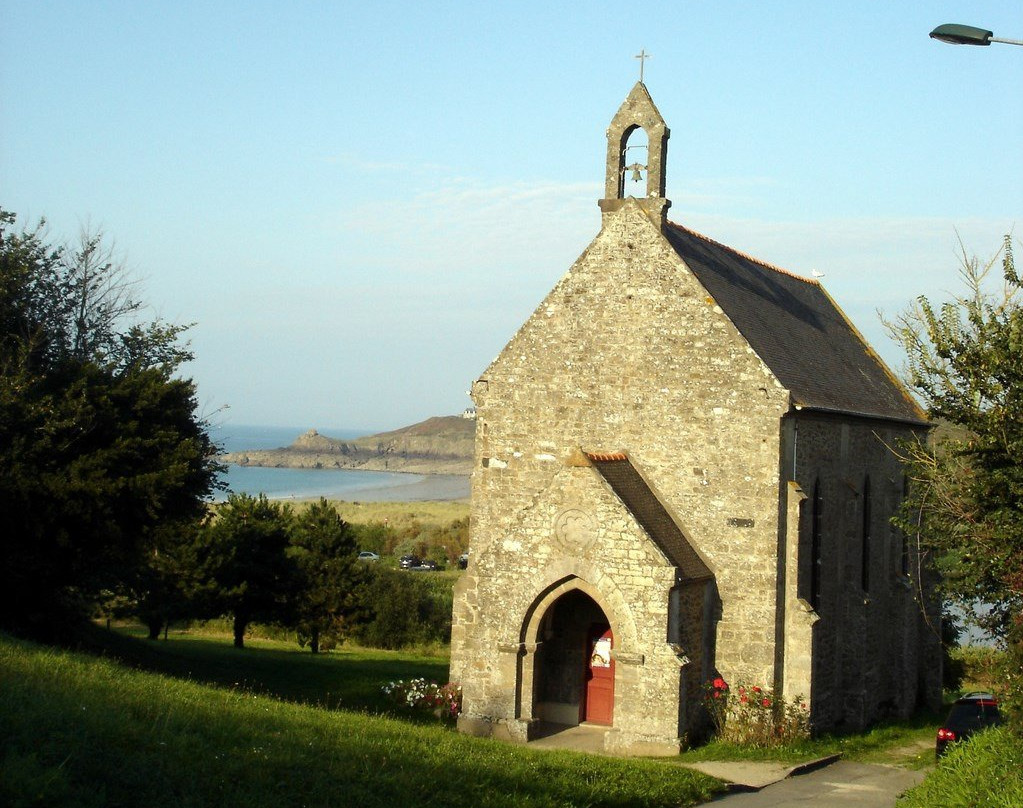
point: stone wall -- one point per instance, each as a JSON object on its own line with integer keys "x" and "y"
{"x": 875, "y": 647}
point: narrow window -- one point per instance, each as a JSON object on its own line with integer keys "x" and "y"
{"x": 902, "y": 533}
{"x": 865, "y": 534}
{"x": 815, "y": 547}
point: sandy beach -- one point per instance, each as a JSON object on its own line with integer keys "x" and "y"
{"x": 430, "y": 487}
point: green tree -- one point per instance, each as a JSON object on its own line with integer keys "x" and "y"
{"x": 375, "y": 536}
{"x": 243, "y": 562}
{"x": 965, "y": 502}
{"x": 101, "y": 446}
{"x": 324, "y": 550}
{"x": 402, "y": 608}
{"x": 159, "y": 594}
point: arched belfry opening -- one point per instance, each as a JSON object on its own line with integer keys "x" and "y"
{"x": 629, "y": 168}
{"x": 635, "y": 161}
{"x": 574, "y": 668}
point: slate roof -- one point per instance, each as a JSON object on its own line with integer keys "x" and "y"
{"x": 642, "y": 503}
{"x": 797, "y": 330}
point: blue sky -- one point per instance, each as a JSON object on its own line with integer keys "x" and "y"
{"x": 359, "y": 203}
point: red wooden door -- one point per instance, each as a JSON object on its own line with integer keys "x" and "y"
{"x": 600, "y": 676}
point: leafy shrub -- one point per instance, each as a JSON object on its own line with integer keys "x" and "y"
{"x": 374, "y": 536}
{"x": 443, "y": 541}
{"x": 952, "y": 668}
{"x": 755, "y": 716}
{"x": 978, "y": 665}
{"x": 403, "y": 609}
{"x": 1012, "y": 676}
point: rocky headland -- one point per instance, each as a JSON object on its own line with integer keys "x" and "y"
{"x": 439, "y": 445}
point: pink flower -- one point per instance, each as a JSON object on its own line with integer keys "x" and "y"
{"x": 720, "y": 684}
{"x": 766, "y": 702}
{"x": 756, "y": 689}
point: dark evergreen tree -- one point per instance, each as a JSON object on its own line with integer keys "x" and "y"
{"x": 324, "y": 550}
{"x": 101, "y": 447}
{"x": 160, "y": 593}
{"x": 243, "y": 564}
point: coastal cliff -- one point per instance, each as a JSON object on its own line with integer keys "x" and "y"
{"x": 439, "y": 445}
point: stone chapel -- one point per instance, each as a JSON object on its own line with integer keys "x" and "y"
{"x": 683, "y": 470}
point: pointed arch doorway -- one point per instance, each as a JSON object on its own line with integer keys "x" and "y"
{"x": 574, "y": 672}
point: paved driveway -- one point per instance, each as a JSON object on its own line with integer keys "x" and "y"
{"x": 840, "y": 785}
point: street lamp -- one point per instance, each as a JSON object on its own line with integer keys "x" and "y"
{"x": 968, "y": 35}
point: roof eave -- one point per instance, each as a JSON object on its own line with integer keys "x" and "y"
{"x": 799, "y": 407}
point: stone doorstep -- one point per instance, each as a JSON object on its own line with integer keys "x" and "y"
{"x": 581, "y": 738}
{"x": 596, "y": 739}
{"x": 753, "y": 775}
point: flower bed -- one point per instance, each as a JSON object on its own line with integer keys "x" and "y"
{"x": 444, "y": 701}
{"x": 755, "y": 716}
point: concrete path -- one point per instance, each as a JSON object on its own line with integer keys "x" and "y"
{"x": 825, "y": 783}
{"x": 841, "y": 784}
{"x": 753, "y": 775}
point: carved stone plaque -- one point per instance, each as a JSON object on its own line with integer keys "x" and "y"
{"x": 574, "y": 531}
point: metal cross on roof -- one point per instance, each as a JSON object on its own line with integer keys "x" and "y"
{"x": 642, "y": 56}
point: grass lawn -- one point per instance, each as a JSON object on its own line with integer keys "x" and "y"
{"x": 81, "y": 730}
{"x": 349, "y": 678}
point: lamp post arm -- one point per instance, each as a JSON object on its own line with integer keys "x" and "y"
{"x": 956, "y": 34}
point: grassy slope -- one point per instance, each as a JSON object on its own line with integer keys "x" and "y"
{"x": 985, "y": 772}
{"x": 83, "y": 731}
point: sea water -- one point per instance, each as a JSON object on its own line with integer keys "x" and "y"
{"x": 279, "y": 483}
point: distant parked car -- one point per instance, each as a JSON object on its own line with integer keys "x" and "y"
{"x": 366, "y": 555}
{"x": 463, "y": 560}
{"x": 428, "y": 564}
{"x": 407, "y": 562}
{"x": 970, "y": 714}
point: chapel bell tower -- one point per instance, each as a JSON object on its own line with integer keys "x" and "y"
{"x": 638, "y": 111}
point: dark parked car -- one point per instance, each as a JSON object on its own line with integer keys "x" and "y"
{"x": 463, "y": 560}
{"x": 427, "y": 564}
{"x": 407, "y": 562}
{"x": 972, "y": 713}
